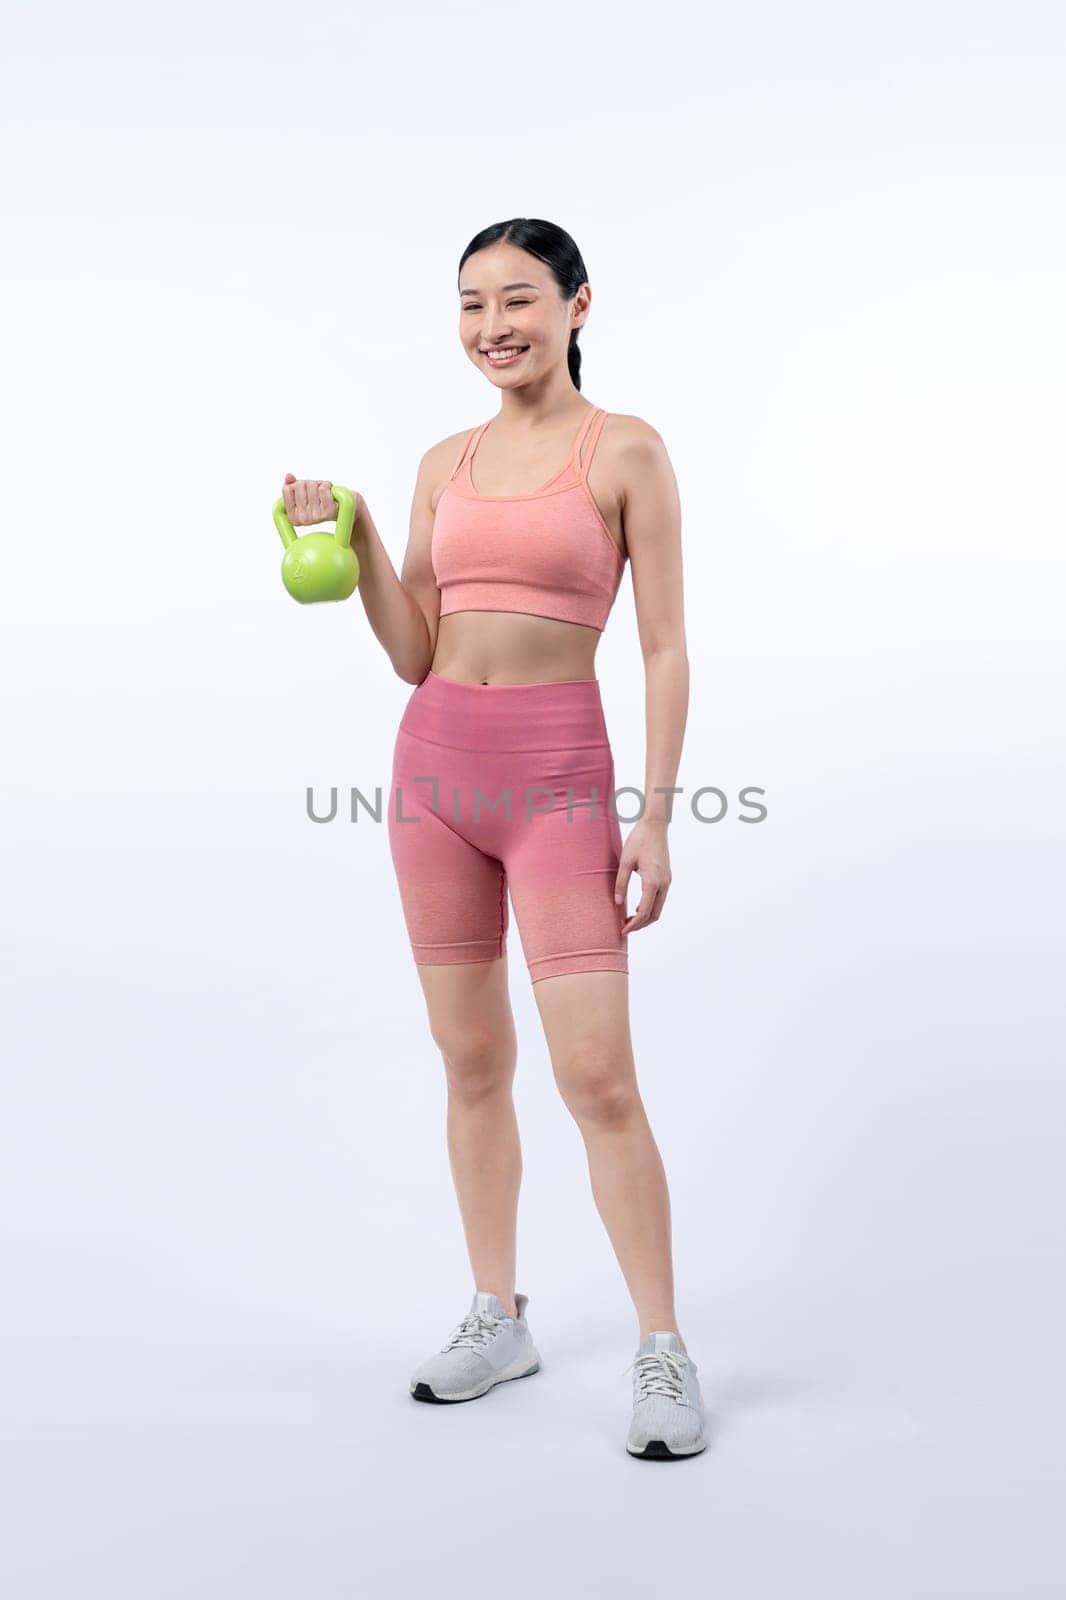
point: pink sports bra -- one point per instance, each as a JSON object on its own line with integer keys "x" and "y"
{"x": 548, "y": 554}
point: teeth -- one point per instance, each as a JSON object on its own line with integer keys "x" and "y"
{"x": 498, "y": 355}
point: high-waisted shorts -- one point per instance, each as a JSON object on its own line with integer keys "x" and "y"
{"x": 501, "y": 788}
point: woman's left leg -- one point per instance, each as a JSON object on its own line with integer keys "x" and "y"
{"x": 586, "y": 1025}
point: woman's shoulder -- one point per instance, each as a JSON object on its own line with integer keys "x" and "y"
{"x": 631, "y": 448}
{"x": 627, "y": 430}
{"x": 628, "y": 447}
{"x": 438, "y": 463}
{"x": 450, "y": 446}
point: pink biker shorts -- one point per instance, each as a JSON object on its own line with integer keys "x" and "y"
{"x": 507, "y": 787}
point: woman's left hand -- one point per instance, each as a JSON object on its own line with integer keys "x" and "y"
{"x": 645, "y": 852}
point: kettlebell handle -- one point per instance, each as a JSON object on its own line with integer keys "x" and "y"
{"x": 345, "y": 518}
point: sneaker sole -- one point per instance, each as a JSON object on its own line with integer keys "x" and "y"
{"x": 422, "y": 1391}
{"x": 659, "y": 1450}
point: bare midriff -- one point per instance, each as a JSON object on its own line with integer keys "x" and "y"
{"x": 500, "y": 647}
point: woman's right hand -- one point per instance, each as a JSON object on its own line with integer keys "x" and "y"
{"x": 308, "y": 500}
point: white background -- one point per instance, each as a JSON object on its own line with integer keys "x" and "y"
{"x": 826, "y": 245}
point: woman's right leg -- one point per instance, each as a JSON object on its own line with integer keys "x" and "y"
{"x": 453, "y": 889}
{"x": 472, "y": 1024}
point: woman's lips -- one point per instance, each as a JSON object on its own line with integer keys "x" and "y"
{"x": 509, "y": 362}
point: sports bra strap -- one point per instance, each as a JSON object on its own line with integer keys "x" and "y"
{"x": 590, "y": 431}
{"x": 474, "y": 434}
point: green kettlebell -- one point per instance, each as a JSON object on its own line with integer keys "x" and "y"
{"x": 320, "y": 566}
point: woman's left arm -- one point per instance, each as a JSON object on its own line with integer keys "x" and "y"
{"x": 651, "y": 518}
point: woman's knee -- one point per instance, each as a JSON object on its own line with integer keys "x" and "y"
{"x": 598, "y": 1088}
{"x": 477, "y": 1061}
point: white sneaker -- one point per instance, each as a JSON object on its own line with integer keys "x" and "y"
{"x": 668, "y": 1418}
{"x": 488, "y": 1347}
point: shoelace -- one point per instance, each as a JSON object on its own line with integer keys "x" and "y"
{"x": 475, "y": 1329}
{"x": 658, "y": 1372}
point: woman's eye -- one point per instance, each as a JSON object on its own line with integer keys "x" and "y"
{"x": 473, "y": 306}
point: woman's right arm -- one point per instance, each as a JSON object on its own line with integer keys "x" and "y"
{"x": 404, "y": 611}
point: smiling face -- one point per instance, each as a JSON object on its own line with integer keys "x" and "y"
{"x": 510, "y": 303}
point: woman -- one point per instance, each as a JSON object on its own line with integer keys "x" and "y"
{"x": 502, "y": 781}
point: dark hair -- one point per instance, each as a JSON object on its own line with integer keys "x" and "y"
{"x": 550, "y": 244}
